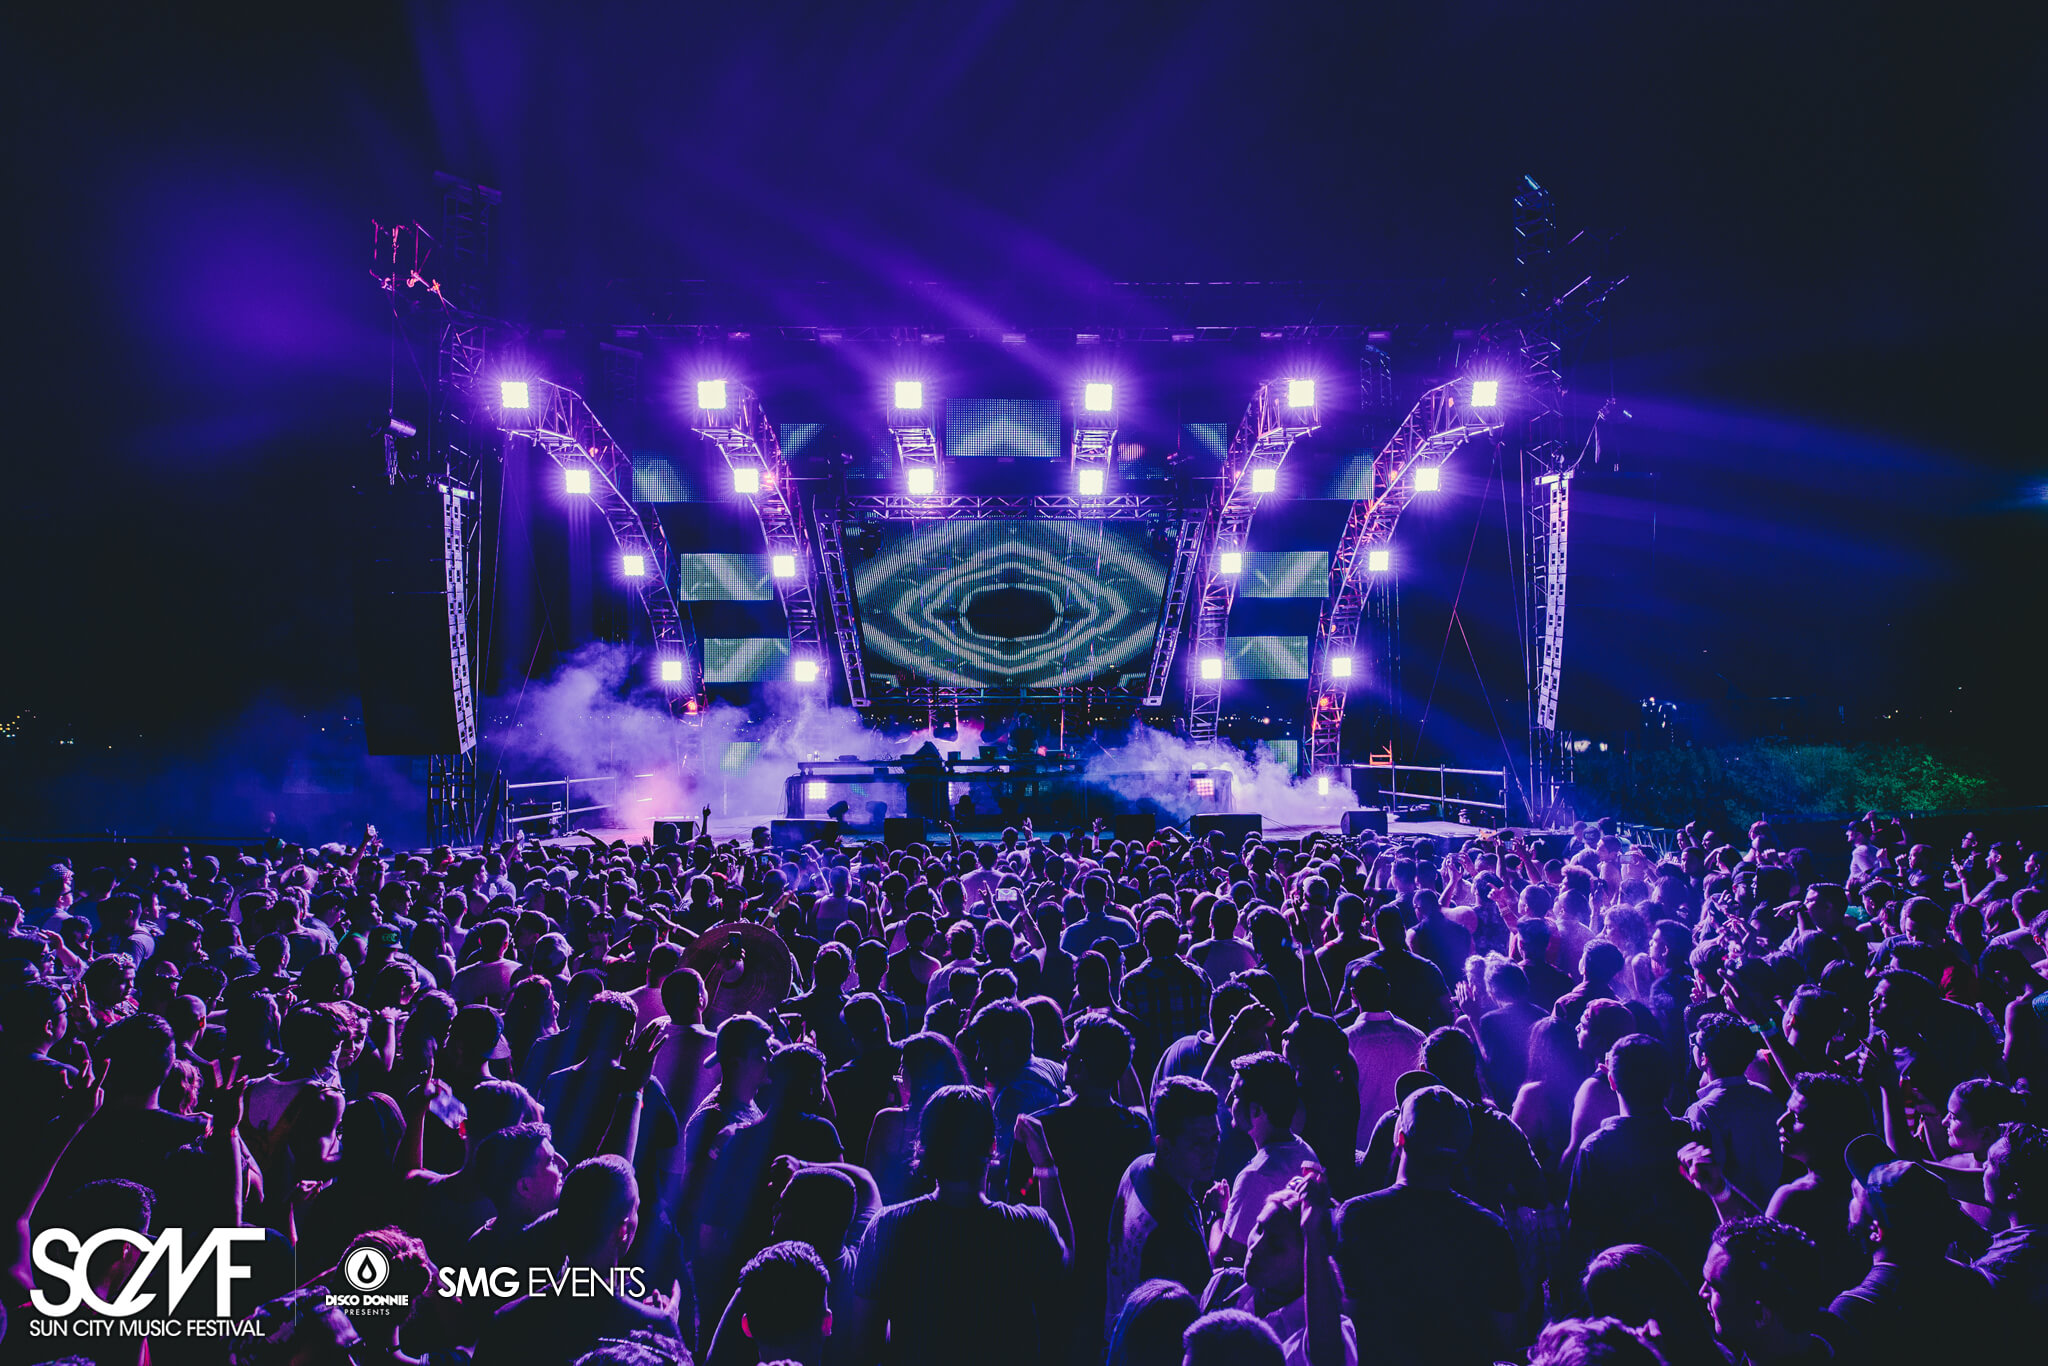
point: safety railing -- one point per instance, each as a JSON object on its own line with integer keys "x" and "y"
{"x": 1496, "y": 780}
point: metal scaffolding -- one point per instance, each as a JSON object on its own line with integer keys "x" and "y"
{"x": 747, "y": 440}
{"x": 1434, "y": 429}
{"x": 1015, "y": 507}
{"x": 1271, "y": 425}
{"x": 558, "y": 422}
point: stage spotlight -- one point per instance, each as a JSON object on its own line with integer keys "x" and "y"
{"x": 804, "y": 670}
{"x": 512, "y": 394}
{"x": 1212, "y": 667}
{"x": 1230, "y": 562}
{"x": 633, "y": 566}
{"x": 921, "y": 480}
{"x": 1089, "y": 482}
{"x": 1322, "y": 784}
{"x": 1301, "y": 393}
{"x": 1265, "y": 479}
{"x": 1428, "y": 479}
{"x": 746, "y": 479}
{"x": 671, "y": 670}
{"x": 711, "y": 394}
{"x": 909, "y": 394}
{"x": 1098, "y": 398}
{"x": 1204, "y": 787}
{"x": 783, "y": 566}
{"x": 1379, "y": 561}
{"x": 576, "y": 479}
{"x": 1340, "y": 666}
{"x": 816, "y": 791}
{"x": 1485, "y": 393}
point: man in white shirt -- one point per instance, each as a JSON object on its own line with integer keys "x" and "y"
{"x": 1263, "y": 1099}
{"x": 1382, "y": 1044}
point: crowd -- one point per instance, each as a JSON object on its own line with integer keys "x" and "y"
{"x": 1051, "y": 1098}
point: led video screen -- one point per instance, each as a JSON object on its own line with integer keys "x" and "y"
{"x": 994, "y": 427}
{"x": 745, "y": 659}
{"x": 724, "y": 578}
{"x": 1011, "y": 604}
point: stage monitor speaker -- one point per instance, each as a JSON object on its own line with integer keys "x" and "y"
{"x": 1134, "y": 825}
{"x": 1361, "y": 822}
{"x": 411, "y": 639}
{"x": 795, "y": 834}
{"x": 900, "y": 832}
{"x": 674, "y": 832}
{"x": 1234, "y": 825}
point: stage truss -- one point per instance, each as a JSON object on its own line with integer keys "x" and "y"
{"x": 1434, "y": 429}
{"x": 559, "y": 423}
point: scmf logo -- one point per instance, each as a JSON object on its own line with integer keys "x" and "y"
{"x": 71, "y": 1268}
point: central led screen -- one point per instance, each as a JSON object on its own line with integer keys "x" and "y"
{"x": 1011, "y": 604}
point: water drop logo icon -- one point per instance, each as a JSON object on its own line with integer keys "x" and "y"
{"x": 366, "y": 1268}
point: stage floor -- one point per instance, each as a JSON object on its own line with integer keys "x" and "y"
{"x": 740, "y": 827}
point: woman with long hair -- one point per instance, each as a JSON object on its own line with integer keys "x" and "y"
{"x": 930, "y": 1061}
{"x": 1543, "y": 1107}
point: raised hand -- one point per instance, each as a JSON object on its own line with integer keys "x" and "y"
{"x": 228, "y": 1101}
{"x": 1696, "y": 1160}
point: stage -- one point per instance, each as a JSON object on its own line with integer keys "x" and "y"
{"x": 741, "y": 828}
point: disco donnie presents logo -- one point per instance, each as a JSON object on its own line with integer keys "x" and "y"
{"x": 64, "y": 1258}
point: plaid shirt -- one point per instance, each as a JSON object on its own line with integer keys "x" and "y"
{"x": 1171, "y": 1000}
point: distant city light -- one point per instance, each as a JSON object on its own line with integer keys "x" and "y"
{"x": 1265, "y": 479}
{"x": 711, "y": 394}
{"x": 1089, "y": 482}
{"x": 1428, "y": 479}
{"x": 746, "y": 479}
{"x": 1212, "y": 667}
{"x": 921, "y": 480}
{"x": 1098, "y": 398}
{"x": 816, "y": 791}
{"x": 1485, "y": 393}
{"x": 633, "y": 566}
{"x": 1379, "y": 561}
{"x": 1340, "y": 666}
{"x": 804, "y": 671}
{"x": 1301, "y": 393}
{"x": 576, "y": 479}
{"x": 909, "y": 394}
{"x": 512, "y": 394}
{"x": 671, "y": 670}
{"x": 783, "y": 566}
{"x": 1230, "y": 562}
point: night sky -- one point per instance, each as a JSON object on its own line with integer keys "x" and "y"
{"x": 1830, "y": 341}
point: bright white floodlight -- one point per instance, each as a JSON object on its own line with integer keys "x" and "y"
{"x": 671, "y": 670}
{"x": 1212, "y": 667}
{"x": 921, "y": 480}
{"x": 746, "y": 478}
{"x": 783, "y": 566}
{"x": 1485, "y": 393}
{"x": 1301, "y": 393}
{"x": 816, "y": 791}
{"x": 1379, "y": 561}
{"x": 512, "y": 394}
{"x": 1098, "y": 398}
{"x": 711, "y": 394}
{"x": 909, "y": 394}
{"x": 804, "y": 670}
{"x": 633, "y": 566}
{"x": 1230, "y": 562}
{"x": 576, "y": 480}
{"x": 1428, "y": 479}
{"x": 1089, "y": 482}
{"x": 1340, "y": 666}
{"x": 1265, "y": 479}
{"x": 1322, "y": 784}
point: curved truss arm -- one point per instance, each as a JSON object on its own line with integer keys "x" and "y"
{"x": 747, "y": 440}
{"x": 559, "y": 422}
{"x": 1433, "y": 430}
{"x": 1268, "y": 430}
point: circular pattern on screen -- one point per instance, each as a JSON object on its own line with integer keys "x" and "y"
{"x": 1010, "y": 604}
